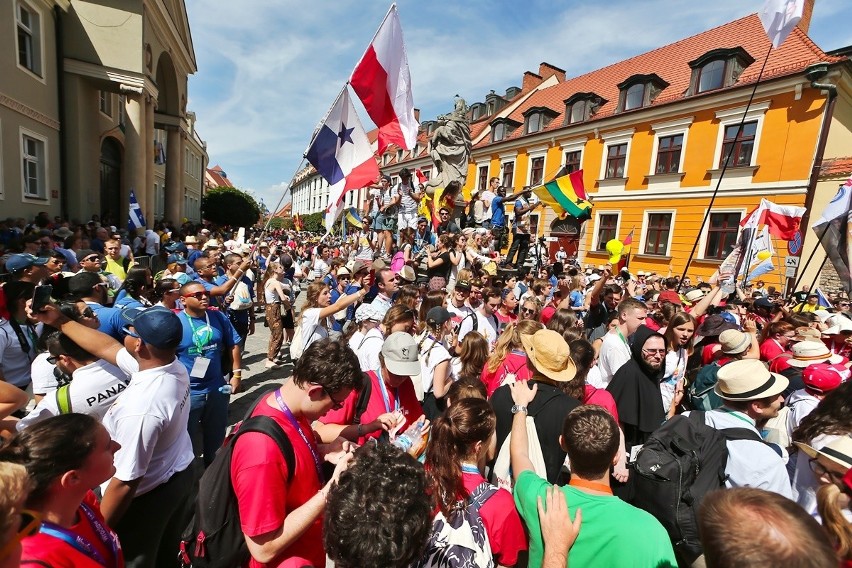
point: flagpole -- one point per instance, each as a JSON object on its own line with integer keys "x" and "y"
{"x": 802, "y": 269}
{"x": 322, "y": 122}
{"x": 780, "y": 274}
{"x": 749, "y": 257}
{"x": 724, "y": 168}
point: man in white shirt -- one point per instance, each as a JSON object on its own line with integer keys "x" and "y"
{"x": 387, "y": 283}
{"x": 483, "y": 320}
{"x": 152, "y": 243}
{"x": 146, "y": 500}
{"x": 94, "y": 387}
{"x": 615, "y": 350}
{"x": 409, "y": 197}
{"x": 751, "y": 396}
{"x": 457, "y": 304}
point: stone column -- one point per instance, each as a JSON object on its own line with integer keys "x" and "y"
{"x": 174, "y": 176}
{"x": 149, "y": 204}
{"x": 134, "y": 154}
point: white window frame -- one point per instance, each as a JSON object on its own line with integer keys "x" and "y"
{"x": 504, "y": 159}
{"x": 37, "y": 39}
{"x": 663, "y": 130}
{"x": 577, "y": 145}
{"x": 702, "y": 244}
{"x": 487, "y": 165}
{"x": 614, "y": 139}
{"x": 43, "y": 197}
{"x": 732, "y": 117}
{"x": 532, "y": 154}
{"x": 598, "y": 214}
{"x": 644, "y": 234}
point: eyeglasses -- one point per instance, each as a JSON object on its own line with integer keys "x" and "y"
{"x": 91, "y": 258}
{"x": 820, "y": 471}
{"x": 335, "y": 404}
{"x": 653, "y": 351}
{"x": 29, "y": 526}
{"x": 198, "y": 295}
{"x": 88, "y": 313}
{"x": 527, "y": 310}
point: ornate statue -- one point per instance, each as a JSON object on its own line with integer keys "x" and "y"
{"x": 450, "y": 148}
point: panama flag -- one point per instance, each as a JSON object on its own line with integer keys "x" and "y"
{"x": 779, "y": 17}
{"x": 383, "y": 83}
{"x": 135, "y": 218}
{"x": 341, "y": 153}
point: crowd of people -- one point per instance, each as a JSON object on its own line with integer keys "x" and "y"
{"x": 446, "y": 407}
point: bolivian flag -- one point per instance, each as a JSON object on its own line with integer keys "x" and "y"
{"x": 566, "y": 195}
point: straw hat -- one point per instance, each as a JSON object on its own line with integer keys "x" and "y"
{"x": 734, "y": 341}
{"x": 190, "y": 240}
{"x": 807, "y": 334}
{"x": 748, "y": 379}
{"x": 549, "y": 354}
{"x": 809, "y": 352}
{"x": 838, "y": 450}
{"x": 837, "y": 324}
{"x": 694, "y": 295}
{"x": 407, "y": 273}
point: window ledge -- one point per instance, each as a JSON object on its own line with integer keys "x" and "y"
{"x": 676, "y": 176}
{"x": 34, "y": 198}
{"x": 710, "y": 261}
{"x": 645, "y": 256}
{"x": 738, "y": 170}
{"x": 612, "y": 183}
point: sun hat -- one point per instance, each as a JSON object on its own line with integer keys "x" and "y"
{"x": 748, "y": 379}
{"x": 714, "y": 325}
{"x": 18, "y": 262}
{"x": 838, "y": 450}
{"x": 367, "y": 312}
{"x": 823, "y": 377}
{"x": 343, "y": 271}
{"x": 809, "y": 352}
{"x": 191, "y": 240}
{"x": 805, "y": 333}
{"x": 212, "y": 243}
{"x": 694, "y": 295}
{"x": 734, "y": 341}
{"x": 176, "y": 258}
{"x": 157, "y": 326}
{"x": 63, "y": 232}
{"x": 438, "y": 315}
{"x": 837, "y": 324}
{"x": 550, "y": 355}
{"x": 407, "y": 273}
{"x": 359, "y": 266}
{"x": 400, "y": 354}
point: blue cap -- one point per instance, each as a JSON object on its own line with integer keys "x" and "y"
{"x": 18, "y": 262}
{"x": 178, "y": 258}
{"x": 157, "y": 326}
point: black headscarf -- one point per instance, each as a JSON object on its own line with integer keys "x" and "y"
{"x": 636, "y": 390}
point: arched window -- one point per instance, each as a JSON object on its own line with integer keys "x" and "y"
{"x": 712, "y": 76}
{"x": 635, "y": 96}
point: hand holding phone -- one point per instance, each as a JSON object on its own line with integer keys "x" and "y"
{"x": 41, "y": 297}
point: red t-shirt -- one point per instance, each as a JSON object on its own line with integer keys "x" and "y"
{"x": 708, "y": 353}
{"x": 652, "y": 324}
{"x": 601, "y": 397}
{"x": 258, "y": 474}
{"x": 56, "y": 552}
{"x": 507, "y": 319}
{"x": 770, "y": 349}
{"x": 502, "y": 523}
{"x": 515, "y": 362}
{"x": 408, "y": 404}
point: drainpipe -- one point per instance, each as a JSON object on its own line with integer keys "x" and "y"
{"x": 60, "y": 97}
{"x": 814, "y": 73}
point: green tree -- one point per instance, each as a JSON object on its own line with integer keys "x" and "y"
{"x": 277, "y": 223}
{"x": 314, "y": 222}
{"x": 230, "y": 206}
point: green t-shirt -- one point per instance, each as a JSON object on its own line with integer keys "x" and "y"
{"x": 613, "y": 532}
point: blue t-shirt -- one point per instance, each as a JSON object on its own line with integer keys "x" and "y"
{"x": 123, "y": 301}
{"x": 498, "y": 212}
{"x": 110, "y": 320}
{"x": 209, "y": 343}
{"x": 241, "y": 316}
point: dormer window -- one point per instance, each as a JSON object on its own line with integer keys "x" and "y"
{"x": 717, "y": 69}
{"x": 581, "y": 107}
{"x": 502, "y": 128}
{"x": 477, "y": 111}
{"x": 639, "y": 91}
{"x": 537, "y": 119}
{"x": 399, "y": 155}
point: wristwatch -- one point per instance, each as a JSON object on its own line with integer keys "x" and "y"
{"x": 518, "y": 408}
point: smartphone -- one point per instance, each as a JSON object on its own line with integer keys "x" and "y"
{"x": 41, "y": 297}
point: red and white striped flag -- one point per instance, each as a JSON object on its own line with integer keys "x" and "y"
{"x": 383, "y": 83}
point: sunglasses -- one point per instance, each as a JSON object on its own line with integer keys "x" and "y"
{"x": 29, "y": 526}
{"x": 91, "y": 259}
{"x": 88, "y": 313}
{"x": 52, "y": 359}
{"x": 198, "y": 295}
{"x": 126, "y": 329}
{"x": 527, "y": 311}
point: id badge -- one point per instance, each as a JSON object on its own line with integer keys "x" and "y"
{"x": 199, "y": 367}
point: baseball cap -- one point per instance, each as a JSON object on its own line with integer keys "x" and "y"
{"x": 463, "y": 285}
{"x": 18, "y": 262}
{"x": 400, "y": 354}
{"x": 822, "y": 377}
{"x": 438, "y": 315}
{"x": 157, "y": 326}
{"x": 367, "y": 312}
{"x": 83, "y": 253}
{"x": 178, "y": 258}
{"x": 82, "y": 283}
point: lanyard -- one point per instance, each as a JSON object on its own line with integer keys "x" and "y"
{"x": 590, "y": 485}
{"x": 207, "y": 332}
{"x": 80, "y": 543}
{"x": 385, "y": 396}
{"x": 737, "y": 415}
{"x": 470, "y": 468}
{"x": 622, "y": 337}
{"x": 295, "y": 423}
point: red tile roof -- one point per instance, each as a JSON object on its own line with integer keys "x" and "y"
{"x": 219, "y": 177}
{"x": 285, "y": 211}
{"x": 670, "y": 62}
{"x": 836, "y": 167}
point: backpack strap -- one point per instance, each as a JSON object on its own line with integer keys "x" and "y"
{"x": 366, "y": 337}
{"x": 480, "y": 494}
{"x": 268, "y": 426}
{"x": 363, "y": 399}
{"x": 63, "y": 399}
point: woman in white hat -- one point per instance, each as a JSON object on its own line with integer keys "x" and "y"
{"x": 831, "y": 463}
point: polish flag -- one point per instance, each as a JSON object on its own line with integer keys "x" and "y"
{"x": 782, "y": 220}
{"x": 383, "y": 83}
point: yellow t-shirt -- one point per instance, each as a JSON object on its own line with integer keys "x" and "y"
{"x": 116, "y": 267}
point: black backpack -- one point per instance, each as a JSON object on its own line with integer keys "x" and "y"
{"x": 681, "y": 462}
{"x": 214, "y": 537}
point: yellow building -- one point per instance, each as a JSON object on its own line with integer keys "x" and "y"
{"x": 651, "y": 134}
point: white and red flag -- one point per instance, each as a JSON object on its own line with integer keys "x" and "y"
{"x": 779, "y": 17}
{"x": 782, "y": 220}
{"x": 383, "y": 83}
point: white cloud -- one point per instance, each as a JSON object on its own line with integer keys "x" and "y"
{"x": 270, "y": 69}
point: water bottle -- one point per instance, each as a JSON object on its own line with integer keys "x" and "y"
{"x": 226, "y": 389}
{"x": 410, "y": 437}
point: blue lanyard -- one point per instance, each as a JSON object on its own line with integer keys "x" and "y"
{"x": 385, "y": 396}
{"x": 295, "y": 423}
{"x": 80, "y": 543}
{"x": 470, "y": 468}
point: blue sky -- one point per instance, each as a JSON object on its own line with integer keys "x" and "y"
{"x": 268, "y": 70}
